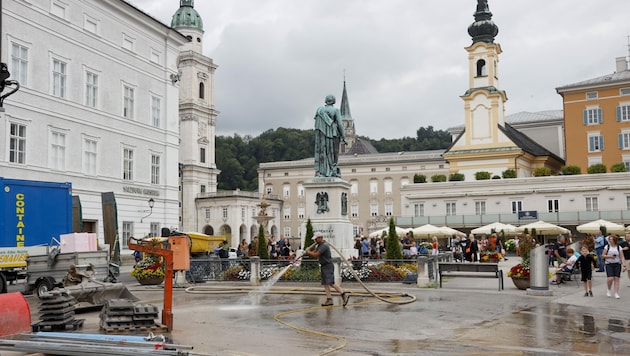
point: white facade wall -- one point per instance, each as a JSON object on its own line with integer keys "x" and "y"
{"x": 580, "y": 199}
{"x": 123, "y": 47}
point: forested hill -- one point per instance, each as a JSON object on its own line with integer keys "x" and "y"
{"x": 238, "y": 156}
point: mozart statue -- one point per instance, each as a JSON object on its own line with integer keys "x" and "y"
{"x": 328, "y": 134}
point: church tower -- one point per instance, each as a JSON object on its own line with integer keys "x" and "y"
{"x": 488, "y": 143}
{"x": 197, "y": 115}
{"x": 347, "y": 121}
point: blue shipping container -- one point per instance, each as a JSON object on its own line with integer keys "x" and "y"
{"x": 33, "y": 212}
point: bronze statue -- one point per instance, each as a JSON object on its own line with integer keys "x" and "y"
{"x": 328, "y": 133}
{"x": 322, "y": 202}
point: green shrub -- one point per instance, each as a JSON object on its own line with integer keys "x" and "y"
{"x": 596, "y": 168}
{"x": 392, "y": 245}
{"x": 456, "y": 177}
{"x": 542, "y": 172}
{"x": 496, "y": 177}
{"x": 618, "y": 167}
{"x": 419, "y": 178}
{"x": 481, "y": 175}
{"x": 308, "y": 238}
{"x": 262, "y": 252}
{"x": 438, "y": 178}
{"x": 570, "y": 170}
{"x": 509, "y": 173}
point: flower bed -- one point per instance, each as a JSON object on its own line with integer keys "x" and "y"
{"x": 372, "y": 272}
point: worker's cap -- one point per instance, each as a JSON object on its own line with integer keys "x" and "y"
{"x": 318, "y": 234}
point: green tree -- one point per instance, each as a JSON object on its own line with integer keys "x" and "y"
{"x": 570, "y": 170}
{"x": 456, "y": 177}
{"x": 482, "y": 175}
{"x": 308, "y": 238}
{"x": 419, "y": 178}
{"x": 392, "y": 245}
{"x": 618, "y": 167}
{"x": 542, "y": 172}
{"x": 238, "y": 157}
{"x": 426, "y": 139}
{"x": 263, "y": 253}
{"x": 438, "y": 178}
{"x": 509, "y": 173}
{"x": 597, "y": 168}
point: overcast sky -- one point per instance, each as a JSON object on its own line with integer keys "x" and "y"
{"x": 404, "y": 60}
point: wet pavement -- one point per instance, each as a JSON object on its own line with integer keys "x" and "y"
{"x": 468, "y": 315}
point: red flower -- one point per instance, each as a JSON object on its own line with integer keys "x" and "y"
{"x": 518, "y": 271}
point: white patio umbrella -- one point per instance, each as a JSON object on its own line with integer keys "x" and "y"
{"x": 593, "y": 227}
{"x": 428, "y": 230}
{"x": 378, "y": 233}
{"x": 451, "y": 232}
{"x": 543, "y": 228}
{"x": 496, "y": 227}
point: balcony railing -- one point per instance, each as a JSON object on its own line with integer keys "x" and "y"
{"x": 569, "y": 218}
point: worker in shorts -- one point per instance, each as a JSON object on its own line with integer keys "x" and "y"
{"x": 322, "y": 253}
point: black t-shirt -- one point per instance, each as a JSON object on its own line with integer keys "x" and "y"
{"x": 586, "y": 262}
{"x": 626, "y": 253}
{"x": 561, "y": 248}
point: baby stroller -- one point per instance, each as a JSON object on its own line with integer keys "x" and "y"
{"x": 457, "y": 254}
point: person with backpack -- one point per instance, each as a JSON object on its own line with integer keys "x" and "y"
{"x": 600, "y": 242}
{"x": 615, "y": 263}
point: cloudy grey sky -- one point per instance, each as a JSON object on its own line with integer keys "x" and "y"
{"x": 404, "y": 60}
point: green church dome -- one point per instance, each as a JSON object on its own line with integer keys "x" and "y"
{"x": 187, "y": 16}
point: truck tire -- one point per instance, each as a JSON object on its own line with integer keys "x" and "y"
{"x": 44, "y": 285}
{"x": 3, "y": 283}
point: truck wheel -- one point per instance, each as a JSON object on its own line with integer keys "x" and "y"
{"x": 43, "y": 286}
{"x": 3, "y": 283}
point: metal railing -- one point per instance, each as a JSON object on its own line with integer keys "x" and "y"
{"x": 307, "y": 270}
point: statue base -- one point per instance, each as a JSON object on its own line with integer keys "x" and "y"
{"x": 327, "y": 207}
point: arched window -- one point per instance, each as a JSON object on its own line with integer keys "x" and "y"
{"x": 202, "y": 90}
{"x": 482, "y": 71}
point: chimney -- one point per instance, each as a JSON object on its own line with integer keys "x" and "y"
{"x": 622, "y": 64}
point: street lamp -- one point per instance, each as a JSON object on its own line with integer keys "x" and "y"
{"x": 151, "y": 203}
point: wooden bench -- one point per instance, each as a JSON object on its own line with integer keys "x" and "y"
{"x": 462, "y": 269}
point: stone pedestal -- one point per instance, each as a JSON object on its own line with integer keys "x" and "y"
{"x": 327, "y": 207}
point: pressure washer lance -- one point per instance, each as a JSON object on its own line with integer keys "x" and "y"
{"x": 302, "y": 255}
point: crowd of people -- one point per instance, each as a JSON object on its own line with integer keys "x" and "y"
{"x": 612, "y": 255}
{"x": 276, "y": 249}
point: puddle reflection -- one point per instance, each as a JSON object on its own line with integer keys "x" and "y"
{"x": 553, "y": 328}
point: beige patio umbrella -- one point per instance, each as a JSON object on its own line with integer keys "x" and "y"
{"x": 378, "y": 233}
{"x": 450, "y": 231}
{"x": 496, "y": 227}
{"x": 594, "y": 226}
{"x": 543, "y": 228}
{"x": 428, "y": 230}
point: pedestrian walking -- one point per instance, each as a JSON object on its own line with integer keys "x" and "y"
{"x": 586, "y": 261}
{"x": 614, "y": 263}
{"x": 600, "y": 242}
{"x": 625, "y": 247}
{"x": 322, "y": 253}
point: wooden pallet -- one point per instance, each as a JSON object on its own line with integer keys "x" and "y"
{"x": 54, "y": 326}
{"x": 134, "y": 329}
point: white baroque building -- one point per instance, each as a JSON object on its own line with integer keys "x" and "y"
{"x": 98, "y": 107}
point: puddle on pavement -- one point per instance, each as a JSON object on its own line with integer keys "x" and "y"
{"x": 238, "y": 307}
{"x": 551, "y": 329}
